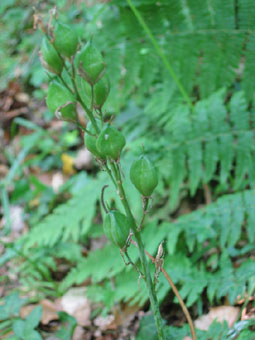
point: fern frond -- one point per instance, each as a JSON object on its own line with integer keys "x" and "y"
{"x": 214, "y": 137}
{"x": 108, "y": 262}
{"x": 248, "y": 81}
{"x": 246, "y": 14}
{"x": 204, "y": 41}
{"x": 218, "y": 223}
{"x": 69, "y": 220}
{"x": 221, "y": 220}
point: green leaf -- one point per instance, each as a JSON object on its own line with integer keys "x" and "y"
{"x": 172, "y": 237}
{"x": 66, "y": 332}
{"x": 12, "y": 305}
{"x": 33, "y": 335}
{"x": 70, "y": 220}
{"x": 34, "y": 317}
{"x": 194, "y": 155}
{"x": 147, "y": 329}
{"x": 193, "y": 287}
{"x": 19, "y": 328}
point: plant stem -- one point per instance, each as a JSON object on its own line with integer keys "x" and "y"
{"x": 89, "y": 113}
{"x": 86, "y": 109}
{"x": 110, "y": 174}
{"x": 160, "y": 53}
{"x": 177, "y": 294}
{"x": 181, "y": 302}
{"x": 65, "y": 83}
{"x": 144, "y": 262}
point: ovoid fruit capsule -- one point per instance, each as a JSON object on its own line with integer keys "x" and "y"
{"x": 51, "y": 59}
{"x": 101, "y": 91}
{"x": 144, "y": 176}
{"x": 116, "y": 228}
{"x": 61, "y": 101}
{"x": 90, "y": 63}
{"x": 66, "y": 40}
{"x": 84, "y": 89}
{"x": 110, "y": 142}
{"x": 90, "y": 140}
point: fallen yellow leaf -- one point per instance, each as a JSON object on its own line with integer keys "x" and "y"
{"x": 68, "y": 164}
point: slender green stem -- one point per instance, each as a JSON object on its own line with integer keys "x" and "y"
{"x": 110, "y": 174}
{"x": 77, "y": 94}
{"x": 115, "y": 176}
{"x": 82, "y": 127}
{"x": 144, "y": 262}
{"x": 92, "y": 97}
{"x": 161, "y": 54}
{"x": 101, "y": 115}
{"x": 6, "y": 208}
{"x": 89, "y": 113}
{"x": 65, "y": 83}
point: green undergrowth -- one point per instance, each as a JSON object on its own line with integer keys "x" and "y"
{"x": 242, "y": 330}
{"x": 204, "y": 206}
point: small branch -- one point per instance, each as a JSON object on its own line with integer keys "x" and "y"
{"x": 122, "y": 252}
{"x": 207, "y": 192}
{"x": 183, "y": 306}
{"x": 145, "y": 206}
{"x": 177, "y": 294}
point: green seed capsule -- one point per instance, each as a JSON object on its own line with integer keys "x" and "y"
{"x": 90, "y": 140}
{"x": 110, "y": 142}
{"x": 66, "y": 40}
{"x": 101, "y": 92}
{"x": 51, "y": 59}
{"x": 116, "y": 228}
{"x": 90, "y": 63}
{"x": 144, "y": 176}
{"x": 61, "y": 101}
{"x": 84, "y": 90}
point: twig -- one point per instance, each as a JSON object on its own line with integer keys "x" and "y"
{"x": 145, "y": 206}
{"x": 207, "y": 192}
{"x": 176, "y": 292}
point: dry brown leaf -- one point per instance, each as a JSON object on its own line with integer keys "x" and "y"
{"x": 248, "y": 314}
{"x": 3, "y": 170}
{"x": 240, "y": 300}
{"x": 17, "y": 219}
{"x": 25, "y": 310}
{"x": 221, "y": 313}
{"x": 49, "y": 310}
{"x": 57, "y": 180}
{"x": 78, "y": 333}
{"x": 22, "y": 97}
{"x": 124, "y": 315}
{"x": 83, "y": 159}
{"x": 75, "y": 303}
{"x": 105, "y": 323}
